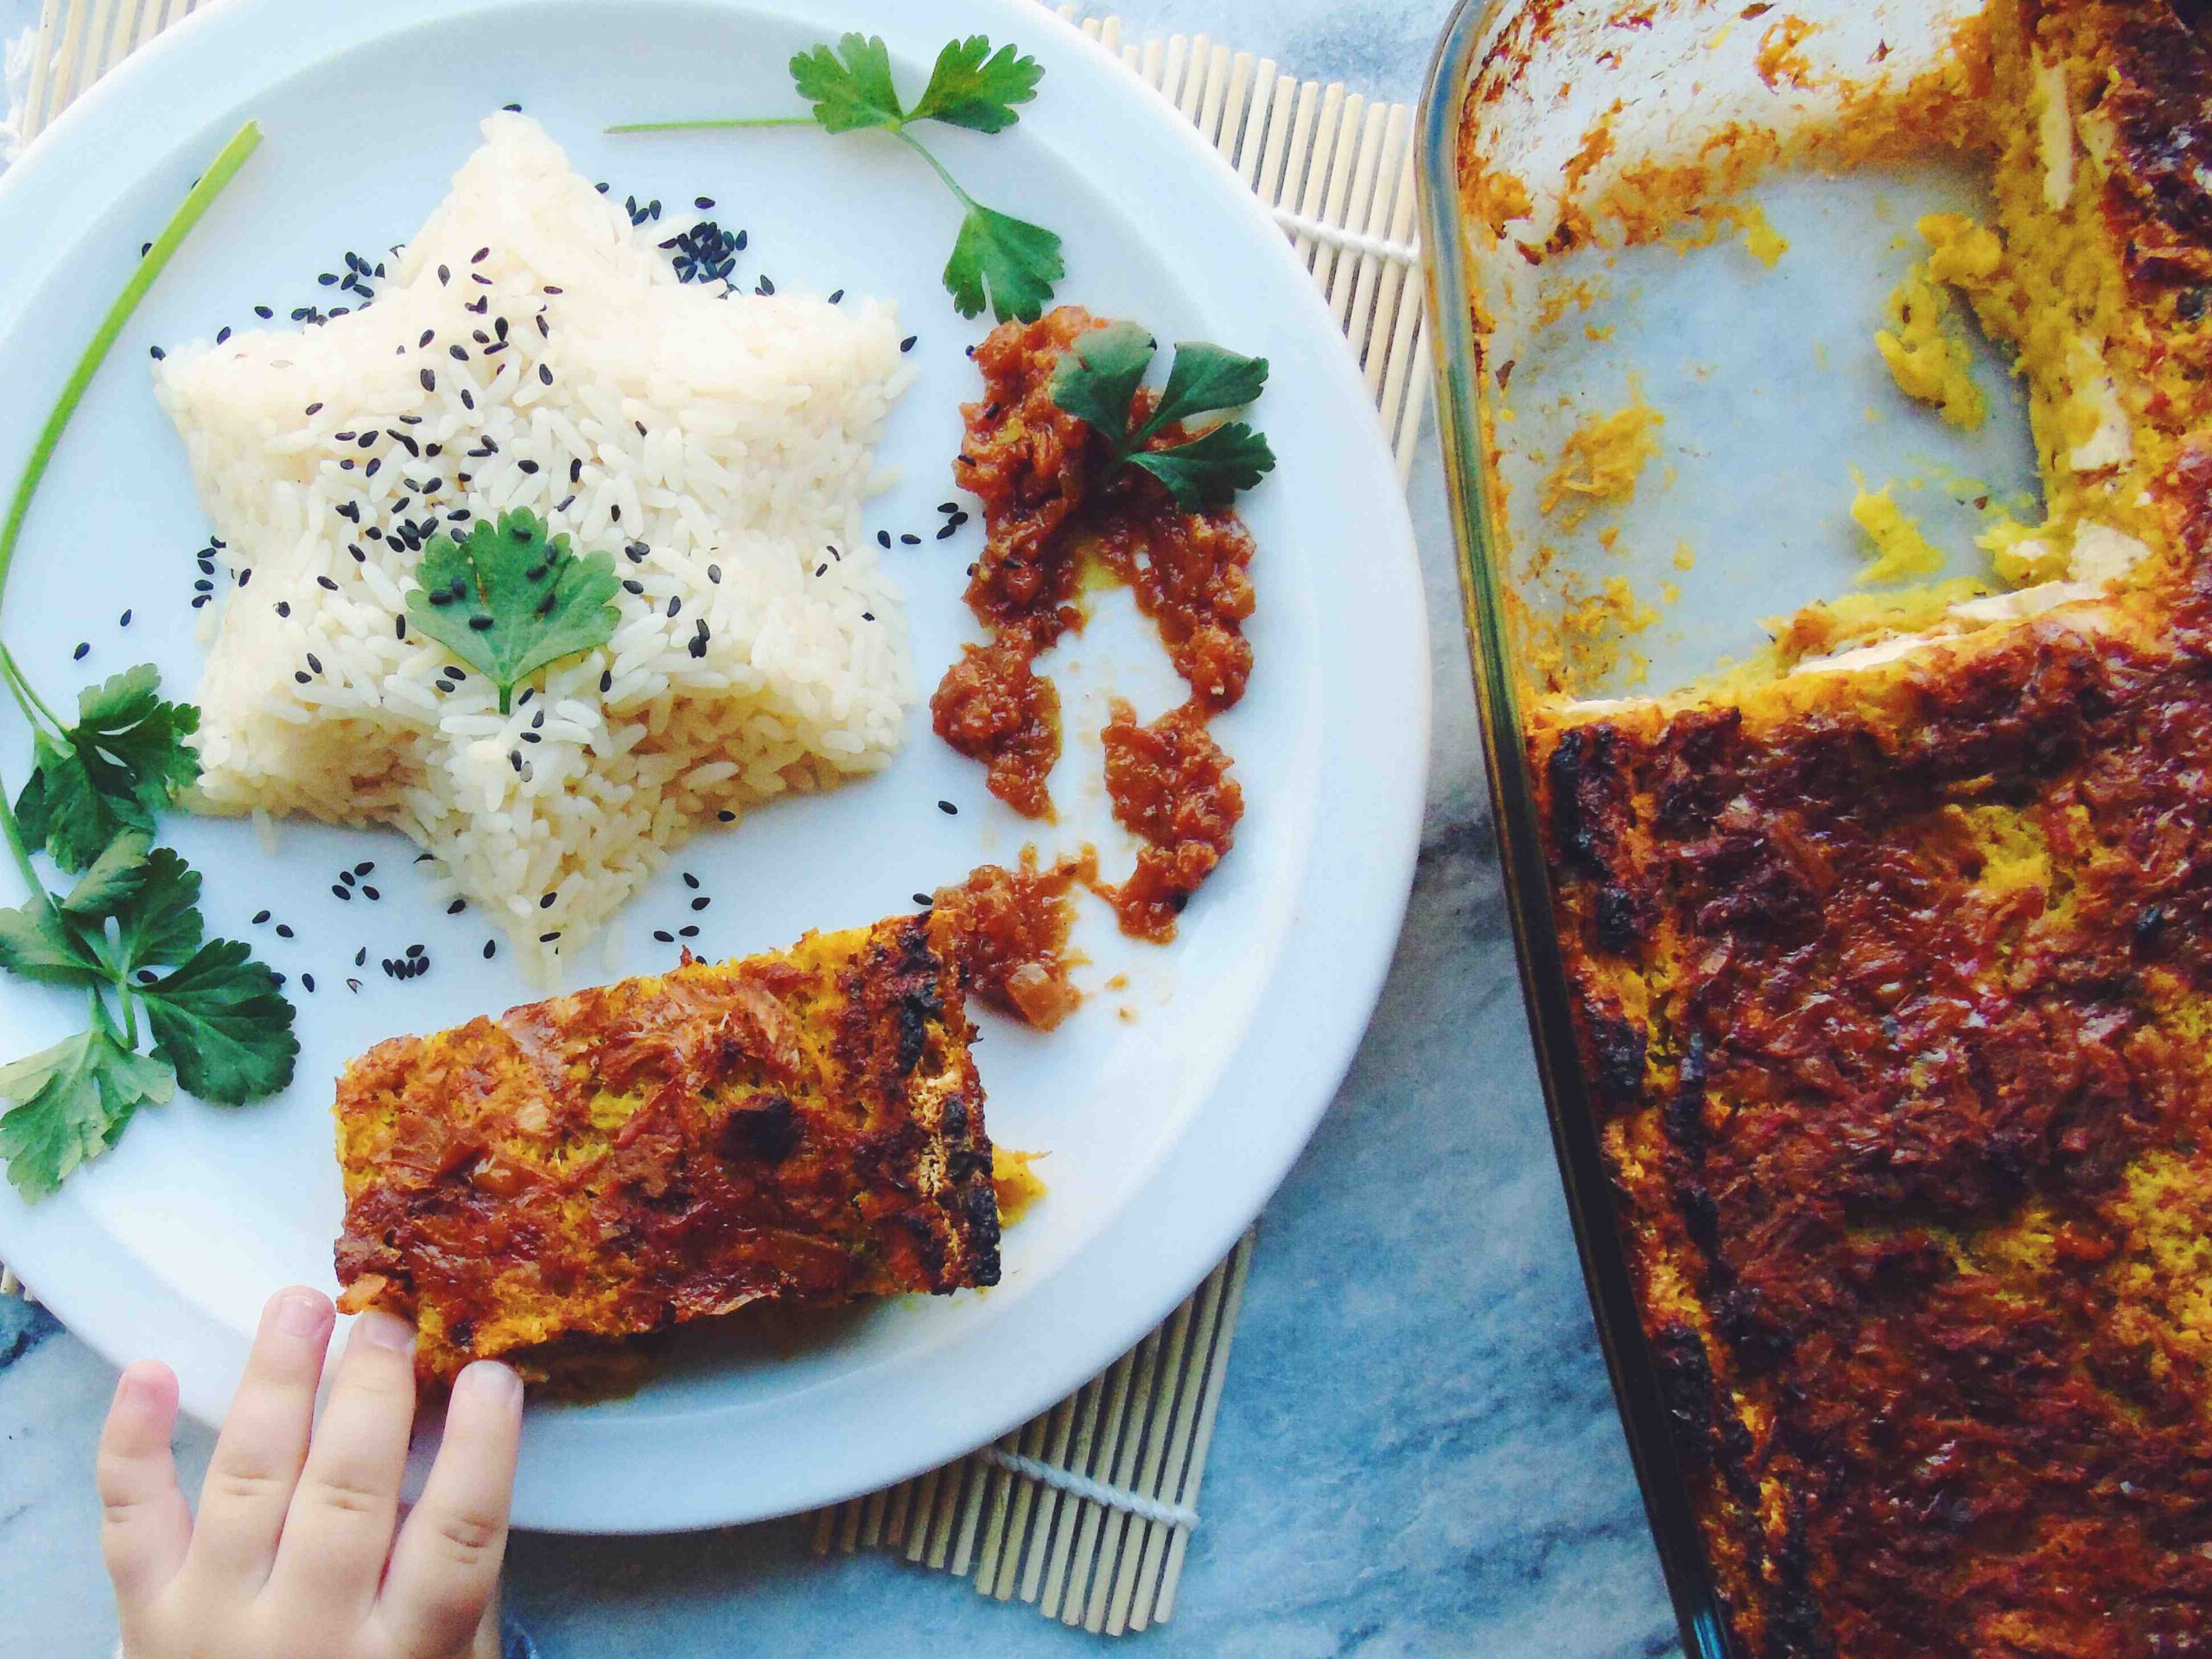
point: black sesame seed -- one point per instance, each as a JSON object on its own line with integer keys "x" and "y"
{"x": 924, "y": 900}
{"x": 429, "y": 379}
{"x": 284, "y": 930}
{"x": 370, "y": 894}
{"x": 545, "y": 373}
{"x": 260, "y": 917}
{"x": 674, "y": 604}
{"x": 456, "y": 906}
{"x": 264, "y": 313}
{"x": 491, "y": 948}
{"x": 910, "y": 539}
{"x": 361, "y": 957}
{"x": 156, "y": 353}
{"x": 548, "y": 938}
{"x": 947, "y": 808}
{"x": 687, "y": 932}
{"x": 726, "y": 816}
{"x": 307, "y": 982}
{"x": 353, "y": 985}
{"x": 302, "y": 676}
{"x": 479, "y": 622}
{"x": 83, "y": 647}
{"x": 907, "y": 344}
{"x": 632, "y": 585}
{"x": 837, "y": 297}
{"x": 342, "y": 892}
{"x": 701, "y": 902}
{"x": 664, "y": 936}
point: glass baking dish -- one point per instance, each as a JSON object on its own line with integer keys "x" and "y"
{"x": 1746, "y": 329}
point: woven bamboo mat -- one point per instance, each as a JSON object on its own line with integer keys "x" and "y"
{"x": 1085, "y": 1511}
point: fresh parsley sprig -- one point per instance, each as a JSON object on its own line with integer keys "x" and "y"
{"x": 115, "y": 768}
{"x": 1096, "y": 381}
{"x": 997, "y": 259}
{"x": 218, "y": 1021}
{"x": 508, "y": 600}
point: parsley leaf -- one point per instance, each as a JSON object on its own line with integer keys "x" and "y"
{"x": 153, "y": 898}
{"x": 974, "y": 87}
{"x": 160, "y": 922}
{"x": 71, "y": 1101}
{"x": 37, "y": 942}
{"x": 997, "y": 260}
{"x": 220, "y": 1021}
{"x": 509, "y": 599}
{"x": 1205, "y": 378}
{"x": 1211, "y": 468}
{"x": 849, "y": 88}
{"x": 1017, "y": 262}
{"x": 114, "y": 876}
{"x": 123, "y": 762}
{"x": 1098, "y": 375}
{"x": 1096, "y": 380}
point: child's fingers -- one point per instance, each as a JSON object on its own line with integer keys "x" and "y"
{"x": 339, "y": 1531}
{"x": 145, "y": 1525}
{"x": 446, "y": 1567}
{"x": 258, "y": 1457}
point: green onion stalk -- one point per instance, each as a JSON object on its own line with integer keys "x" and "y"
{"x": 42, "y": 717}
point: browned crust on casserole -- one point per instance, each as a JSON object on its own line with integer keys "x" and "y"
{"x": 805, "y": 1127}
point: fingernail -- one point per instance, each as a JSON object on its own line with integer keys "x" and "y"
{"x": 489, "y": 1381}
{"x": 146, "y": 1379}
{"x": 300, "y": 1313}
{"x": 382, "y": 1330}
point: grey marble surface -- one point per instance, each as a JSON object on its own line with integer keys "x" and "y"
{"x": 1417, "y": 1454}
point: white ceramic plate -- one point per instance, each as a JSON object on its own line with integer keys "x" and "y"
{"x": 1168, "y": 1125}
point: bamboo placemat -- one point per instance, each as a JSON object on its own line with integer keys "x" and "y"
{"x": 1085, "y": 1511}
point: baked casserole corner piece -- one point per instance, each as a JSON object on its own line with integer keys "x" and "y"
{"x": 803, "y": 1126}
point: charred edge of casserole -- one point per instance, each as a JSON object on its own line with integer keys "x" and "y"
{"x": 1771, "y": 844}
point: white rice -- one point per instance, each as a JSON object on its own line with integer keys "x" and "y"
{"x": 729, "y": 435}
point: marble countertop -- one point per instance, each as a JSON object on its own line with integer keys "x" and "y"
{"x": 1417, "y": 1453}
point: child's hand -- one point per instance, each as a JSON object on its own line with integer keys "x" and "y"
{"x": 292, "y": 1555}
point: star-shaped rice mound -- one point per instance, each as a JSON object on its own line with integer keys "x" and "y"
{"x": 535, "y": 350}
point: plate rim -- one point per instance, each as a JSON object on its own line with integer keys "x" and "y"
{"x": 1323, "y": 999}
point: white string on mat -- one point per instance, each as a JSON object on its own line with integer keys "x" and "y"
{"x": 1346, "y": 239}
{"x": 1098, "y": 1491}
